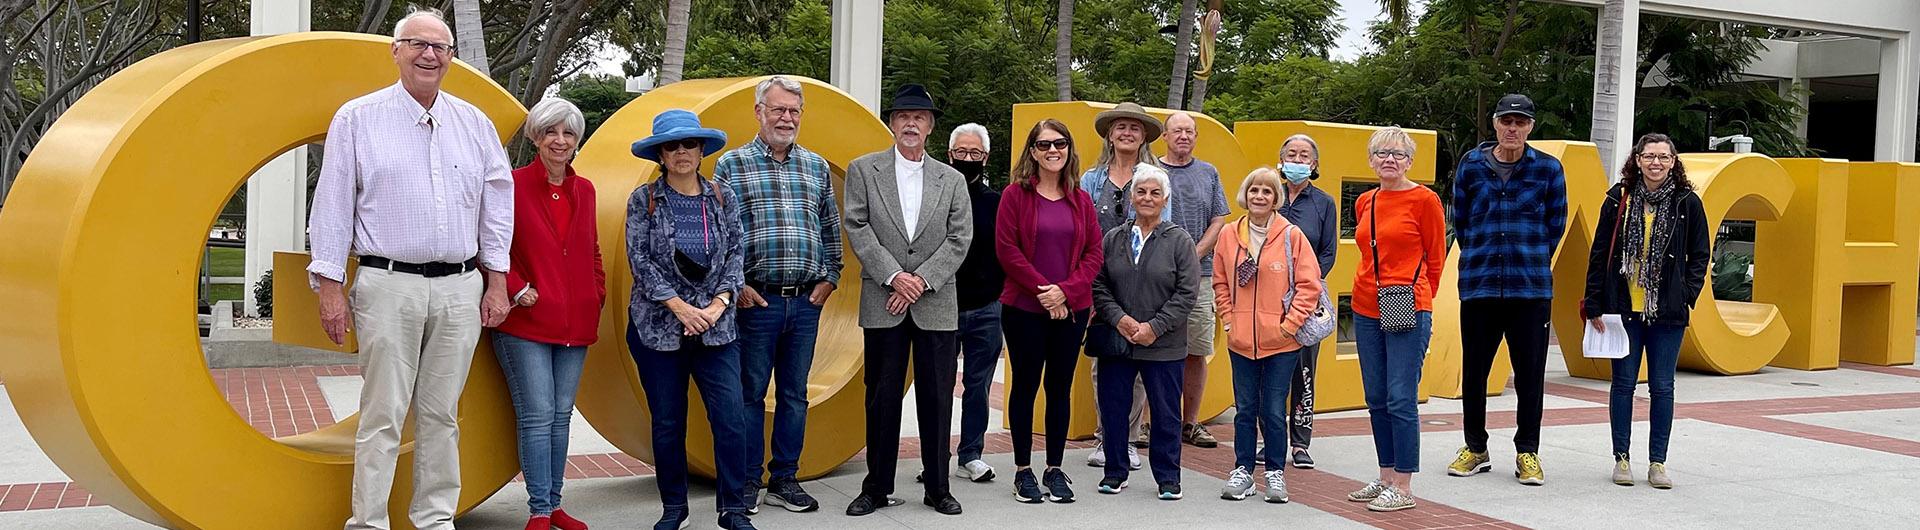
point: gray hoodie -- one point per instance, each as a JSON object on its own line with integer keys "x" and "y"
{"x": 1159, "y": 291}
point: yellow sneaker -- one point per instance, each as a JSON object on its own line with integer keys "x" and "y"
{"x": 1527, "y": 469}
{"x": 1469, "y": 463}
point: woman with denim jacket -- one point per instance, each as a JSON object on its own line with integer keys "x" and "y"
{"x": 684, "y": 244}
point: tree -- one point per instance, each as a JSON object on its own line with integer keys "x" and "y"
{"x": 598, "y": 97}
{"x": 674, "y": 58}
{"x": 469, "y": 35}
{"x": 1063, "y": 53}
{"x": 1606, "y": 74}
{"x": 1182, "y": 50}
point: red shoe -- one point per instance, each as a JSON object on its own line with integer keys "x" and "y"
{"x": 563, "y": 521}
{"x": 539, "y": 522}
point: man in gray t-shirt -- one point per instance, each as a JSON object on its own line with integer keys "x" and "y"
{"x": 1200, "y": 206}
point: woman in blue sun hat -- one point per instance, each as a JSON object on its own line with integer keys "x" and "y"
{"x": 683, "y": 243}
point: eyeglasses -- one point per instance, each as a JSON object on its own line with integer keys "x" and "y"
{"x": 783, "y": 111}
{"x": 1657, "y": 157}
{"x": 1395, "y": 154}
{"x": 423, "y": 45}
{"x": 682, "y": 145}
{"x": 967, "y": 154}
{"x": 1059, "y": 144}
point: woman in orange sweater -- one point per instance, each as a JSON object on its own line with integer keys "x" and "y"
{"x": 1250, "y": 292}
{"x": 1402, "y": 237}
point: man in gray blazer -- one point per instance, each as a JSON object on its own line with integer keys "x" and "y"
{"x": 909, "y": 220}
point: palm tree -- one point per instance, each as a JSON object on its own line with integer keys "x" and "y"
{"x": 1399, "y": 13}
{"x": 471, "y": 37}
{"x": 1063, "y": 53}
{"x": 1182, "y": 47}
{"x": 673, "y": 59}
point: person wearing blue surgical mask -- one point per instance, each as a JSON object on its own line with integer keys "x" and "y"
{"x": 1313, "y": 210}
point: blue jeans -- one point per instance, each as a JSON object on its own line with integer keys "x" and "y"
{"x": 664, "y": 376}
{"x": 1390, "y": 365}
{"x": 1661, "y": 345}
{"x": 980, "y": 343}
{"x": 776, "y": 345}
{"x": 1260, "y": 406}
{"x": 1163, "y": 380}
{"x": 541, "y": 379}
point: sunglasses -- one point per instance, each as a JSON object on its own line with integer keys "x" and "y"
{"x": 680, "y": 145}
{"x": 1060, "y": 144}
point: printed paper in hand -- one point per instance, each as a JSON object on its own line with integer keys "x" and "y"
{"x": 1609, "y": 342}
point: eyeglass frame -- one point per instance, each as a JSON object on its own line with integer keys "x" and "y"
{"x": 422, "y": 45}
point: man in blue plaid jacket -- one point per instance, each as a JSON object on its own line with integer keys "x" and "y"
{"x": 1510, "y": 210}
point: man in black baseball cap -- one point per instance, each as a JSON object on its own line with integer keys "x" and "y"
{"x": 1510, "y": 210}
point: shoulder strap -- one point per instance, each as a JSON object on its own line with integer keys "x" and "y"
{"x": 1373, "y": 242}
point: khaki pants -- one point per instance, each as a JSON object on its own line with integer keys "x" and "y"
{"x": 417, "y": 336}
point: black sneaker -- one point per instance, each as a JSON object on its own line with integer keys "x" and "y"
{"x": 1302, "y": 460}
{"x": 1057, "y": 489}
{"x": 1112, "y": 485}
{"x": 753, "y": 496}
{"x": 1025, "y": 488}
{"x": 672, "y": 518}
{"x": 1169, "y": 491}
{"x": 735, "y": 521}
{"x": 787, "y": 493}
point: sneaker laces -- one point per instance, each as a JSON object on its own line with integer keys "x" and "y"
{"x": 1276, "y": 479}
{"x": 1529, "y": 462}
{"x": 1374, "y": 489}
{"x": 1240, "y": 477}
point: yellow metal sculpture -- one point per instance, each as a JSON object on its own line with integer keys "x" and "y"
{"x": 102, "y": 237}
{"x": 103, "y": 231}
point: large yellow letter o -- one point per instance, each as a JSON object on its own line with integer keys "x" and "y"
{"x": 102, "y": 240}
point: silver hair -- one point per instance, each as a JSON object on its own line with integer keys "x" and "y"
{"x": 1144, "y": 172}
{"x": 975, "y": 129}
{"x": 554, "y": 111}
{"x": 789, "y": 85}
{"x": 1388, "y": 136}
{"x": 1312, "y": 146}
{"x": 414, "y": 12}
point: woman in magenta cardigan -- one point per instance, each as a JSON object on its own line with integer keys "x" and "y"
{"x": 1048, "y": 240}
{"x": 558, "y": 286}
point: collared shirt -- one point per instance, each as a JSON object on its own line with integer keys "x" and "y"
{"x": 788, "y": 211}
{"x": 908, "y": 175}
{"x": 1508, "y": 227}
{"x": 411, "y": 184}
{"x": 1139, "y": 240}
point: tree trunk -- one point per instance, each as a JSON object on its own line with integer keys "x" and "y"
{"x": 674, "y": 57}
{"x": 1199, "y": 101}
{"x": 470, "y": 38}
{"x": 372, "y": 15}
{"x": 1607, "y": 70}
{"x": 1182, "y": 49}
{"x": 1063, "y": 53}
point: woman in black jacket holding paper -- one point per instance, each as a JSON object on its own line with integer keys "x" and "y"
{"x": 1648, "y": 265}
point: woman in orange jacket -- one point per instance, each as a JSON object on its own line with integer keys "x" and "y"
{"x": 1251, "y": 270}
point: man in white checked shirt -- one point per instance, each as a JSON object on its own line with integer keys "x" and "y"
{"x": 416, "y": 184}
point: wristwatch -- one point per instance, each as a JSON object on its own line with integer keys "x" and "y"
{"x": 725, "y": 298}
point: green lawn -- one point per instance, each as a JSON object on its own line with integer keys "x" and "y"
{"x": 228, "y": 262}
{"x": 217, "y": 293}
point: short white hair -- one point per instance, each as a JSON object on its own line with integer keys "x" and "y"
{"x": 975, "y": 129}
{"x": 1312, "y": 146}
{"x": 1144, "y": 172}
{"x": 1390, "y": 136}
{"x": 420, "y": 12}
{"x": 789, "y": 85}
{"x": 554, "y": 111}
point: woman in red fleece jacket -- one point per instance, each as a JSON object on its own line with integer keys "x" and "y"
{"x": 1048, "y": 241}
{"x": 558, "y": 286}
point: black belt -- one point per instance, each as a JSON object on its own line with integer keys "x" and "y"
{"x": 430, "y": 270}
{"x": 799, "y": 289}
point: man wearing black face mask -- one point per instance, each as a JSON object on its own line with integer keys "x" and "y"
{"x": 978, "y": 283}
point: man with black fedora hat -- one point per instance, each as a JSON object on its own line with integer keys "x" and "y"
{"x": 909, "y": 220}
{"x": 1509, "y": 211}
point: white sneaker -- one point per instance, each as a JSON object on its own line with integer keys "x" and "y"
{"x": 976, "y": 470}
{"x": 1133, "y": 458}
{"x": 1239, "y": 485}
{"x": 1276, "y": 487}
{"x": 1098, "y": 458}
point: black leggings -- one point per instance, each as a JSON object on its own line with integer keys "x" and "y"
{"x": 1039, "y": 346}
